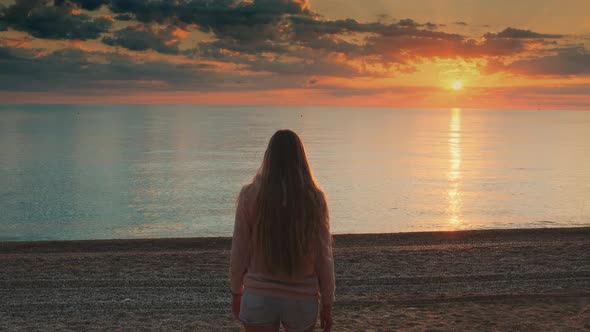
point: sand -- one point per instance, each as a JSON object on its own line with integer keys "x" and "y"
{"x": 497, "y": 280}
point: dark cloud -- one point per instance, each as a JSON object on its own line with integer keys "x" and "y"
{"x": 565, "y": 62}
{"x": 328, "y": 35}
{"x": 210, "y": 15}
{"x": 84, "y": 4}
{"x": 461, "y": 23}
{"x": 52, "y": 22}
{"x": 75, "y": 72}
{"x": 414, "y": 47}
{"x": 496, "y": 47}
{"x": 404, "y": 47}
{"x": 432, "y": 26}
{"x": 308, "y": 27}
{"x": 304, "y": 67}
{"x": 237, "y": 19}
{"x": 401, "y": 44}
{"x": 145, "y": 37}
{"x": 394, "y": 44}
{"x": 518, "y": 33}
{"x": 409, "y": 23}
{"x": 334, "y": 44}
{"x": 237, "y": 25}
{"x": 11, "y": 53}
{"x": 123, "y": 17}
{"x": 267, "y": 26}
{"x": 216, "y": 48}
{"x": 147, "y": 11}
{"x": 293, "y": 63}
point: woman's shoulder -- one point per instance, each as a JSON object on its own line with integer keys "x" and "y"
{"x": 245, "y": 201}
{"x": 248, "y": 191}
{"x": 247, "y": 194}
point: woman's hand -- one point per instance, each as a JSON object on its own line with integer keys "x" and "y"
{"x": 326, "y": 318}
{"x": 235, "y": 305}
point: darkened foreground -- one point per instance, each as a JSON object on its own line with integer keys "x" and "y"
{"x": 507, "y": 280}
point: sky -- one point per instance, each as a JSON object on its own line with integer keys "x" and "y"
{"x": 526, "y": 54}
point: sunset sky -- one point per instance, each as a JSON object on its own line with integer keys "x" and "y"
{"x": 525, "y": 54}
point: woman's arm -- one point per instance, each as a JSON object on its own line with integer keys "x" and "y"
{"x": 325, "y": 271}
{"x": 325, "y": 267}
{"x": 240, "y": 255}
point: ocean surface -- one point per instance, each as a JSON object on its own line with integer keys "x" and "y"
{"x": 101, "y": 172}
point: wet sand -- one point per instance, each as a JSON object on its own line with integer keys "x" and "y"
{"x": 496, "y": 280}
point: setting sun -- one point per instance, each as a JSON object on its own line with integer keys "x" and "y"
{"x": 457, "y": 85}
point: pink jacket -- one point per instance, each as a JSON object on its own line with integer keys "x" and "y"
{"x": 247, "y": 270}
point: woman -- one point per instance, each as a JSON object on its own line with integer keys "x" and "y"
{"x": 281, "y": 256}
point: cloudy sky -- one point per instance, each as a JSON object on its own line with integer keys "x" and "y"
{"x": 421, "y": 53}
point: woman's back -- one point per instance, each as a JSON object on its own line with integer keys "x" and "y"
{"x": 303, "y": 283}
{"x": 282, "y": 247}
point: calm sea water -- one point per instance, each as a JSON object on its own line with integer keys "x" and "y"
{"x": 94, "y": 172}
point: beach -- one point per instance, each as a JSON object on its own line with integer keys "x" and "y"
{"x": 485, "y": 280}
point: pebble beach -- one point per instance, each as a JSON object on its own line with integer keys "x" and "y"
{"x": 488, "y": 280}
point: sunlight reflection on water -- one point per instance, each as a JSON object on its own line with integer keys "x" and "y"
{"x": 454, "y": 174}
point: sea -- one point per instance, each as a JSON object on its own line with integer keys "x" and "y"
{"x": 73, "y": 172}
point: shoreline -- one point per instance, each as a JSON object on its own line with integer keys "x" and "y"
{"x": 350, "y": 239}
{"x": 485, "y": 280}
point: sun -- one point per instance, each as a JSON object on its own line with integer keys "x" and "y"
{"x": 457, "y": 85}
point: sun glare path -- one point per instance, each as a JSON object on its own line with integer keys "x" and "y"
{"x": 454, "y": 194}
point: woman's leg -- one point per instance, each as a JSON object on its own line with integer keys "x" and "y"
{"x": 251, "y": 328}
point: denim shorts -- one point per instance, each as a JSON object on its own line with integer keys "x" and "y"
{"x": 260, "y": 310}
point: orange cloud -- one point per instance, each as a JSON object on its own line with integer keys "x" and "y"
{"x": 180, "y": 33}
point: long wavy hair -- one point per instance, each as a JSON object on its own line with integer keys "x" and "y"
{"x": 290, "y": 208}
